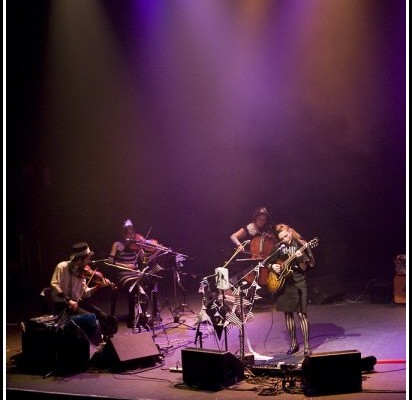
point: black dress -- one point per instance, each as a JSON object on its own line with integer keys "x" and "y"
{"x": 293, "y": 296}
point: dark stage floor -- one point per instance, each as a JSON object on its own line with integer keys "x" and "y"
{"x": 344, "y": 331}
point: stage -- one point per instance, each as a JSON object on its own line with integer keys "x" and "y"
{"x": 349, "y": 325}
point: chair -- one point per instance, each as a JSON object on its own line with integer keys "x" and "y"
{"x": 47, "y": 302}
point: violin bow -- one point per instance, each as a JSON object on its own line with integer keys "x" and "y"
{"x": 238, "y": 250}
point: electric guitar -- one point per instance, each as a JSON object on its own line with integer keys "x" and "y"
{"x": 277, "y": 280}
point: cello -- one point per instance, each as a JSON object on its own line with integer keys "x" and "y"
{"x": 261, "y": 246}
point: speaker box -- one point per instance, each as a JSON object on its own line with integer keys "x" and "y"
{"x": 325, "y": 289}
{"x": 399, "y": 289}
{"x": 332, "y": 373}
{"x": 131, "y": 351}
{"x": 48, "y": 349}
{"x": 210, "y": 369}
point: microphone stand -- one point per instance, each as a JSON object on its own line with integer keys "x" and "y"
{"x": 237, "y": 251}
{"x": 222, "y": 284}
{"x": 183, "y": 306}
{"x": 272, "y": 254}
{"x": 222, "y": 293}
{"x": 260, "y": 263}
{"x": 242, "y": 327}
{"x": 199, "y": 334}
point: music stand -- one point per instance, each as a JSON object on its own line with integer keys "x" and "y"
{"x": 153, "y": 279}
{"x": 183, "y": 306}
{"x": 141, "y": 303}
{"x": 140, "y": 320}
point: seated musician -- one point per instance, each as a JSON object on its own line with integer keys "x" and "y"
{"x": 136, "y": 254}
{"x": 262, "y": 241}
{"x": 69, "y": 289}
{"x": 124, "y": 253}
{"x": 259, "y": 226}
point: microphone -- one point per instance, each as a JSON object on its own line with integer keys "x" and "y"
{"x": 209, "y": 276}
{"x": 282, "y": 246}
{"x": 97, "y": 261}
{"x": 132, "y": 241}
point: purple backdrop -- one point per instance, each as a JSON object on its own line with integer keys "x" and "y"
{"x": 184, "y": 116}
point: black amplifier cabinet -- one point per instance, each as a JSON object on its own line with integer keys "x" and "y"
{"x": 49, "y": 348}
{"x": 211, "y": 369}
{"x": 332, "y": 373}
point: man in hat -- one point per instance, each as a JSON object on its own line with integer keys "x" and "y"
{"x": 69, "y": 289}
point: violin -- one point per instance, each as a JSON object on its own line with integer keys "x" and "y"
{"x": 134, "y": 241}
{"x": 148, "y": 245}
{"x": 94, "y": 276}
{"x": 151, "y": 246}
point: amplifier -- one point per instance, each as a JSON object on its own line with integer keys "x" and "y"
{"x": 40, "y": 324}
{"x": 399, "y": 289}
{"x": 210, "y": 369}
{"x": 47, "y": 348}
{"x": 332, "y": 373}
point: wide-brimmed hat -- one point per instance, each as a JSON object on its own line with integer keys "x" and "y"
{"x": 81, "y": 249}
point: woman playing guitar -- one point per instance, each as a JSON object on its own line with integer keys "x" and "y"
{"x": 288, "y": 266}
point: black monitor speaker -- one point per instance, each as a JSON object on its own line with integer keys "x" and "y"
{"x": 332, "y": 373}
{"x": 130, "y": 351}
{"x": 211, "y": 369}
{"x": 46, "y": 348}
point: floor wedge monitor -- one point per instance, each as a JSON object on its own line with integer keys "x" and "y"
{"x": 211, "y": 369}
{"x": 332, "y": 373}
{"x": 128, "y": 351}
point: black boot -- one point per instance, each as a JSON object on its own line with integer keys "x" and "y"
{"x": 110, "y": 326}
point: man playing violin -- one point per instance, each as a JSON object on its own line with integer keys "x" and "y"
{"x": 70, "y": 285}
